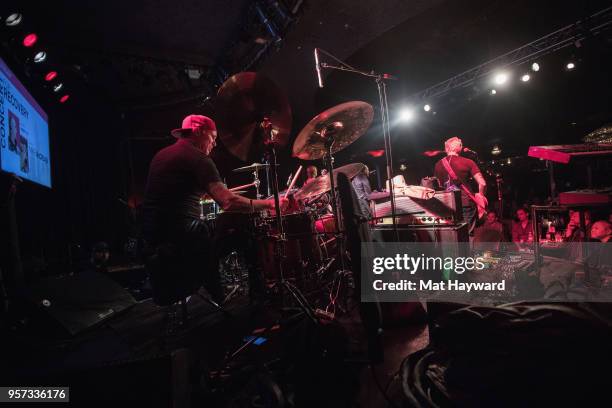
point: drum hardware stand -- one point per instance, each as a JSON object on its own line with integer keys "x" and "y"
{"x": 280, "y": 243}
{"x": 232, "y": 262}
{"x": 328, "y": 135}
{"x": 384, "y": 112}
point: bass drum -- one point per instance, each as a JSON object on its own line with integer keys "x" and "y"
{"x": 301, "y": 249}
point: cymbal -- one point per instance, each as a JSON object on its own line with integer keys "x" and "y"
{"x": 350, "y": 170}
{"x": 242, "y": 102}
{"x": 251, "y": 167}
{"x": 348, "y": 122}
{"x": 315, "y": 188}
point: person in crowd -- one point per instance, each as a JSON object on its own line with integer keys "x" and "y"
{"x": 601, "y": 231}
{"x": 573, "y": 232}
{"x": 490, "y": 233}
{"x": 522, "y": 229}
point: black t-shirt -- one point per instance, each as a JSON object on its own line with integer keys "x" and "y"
{"x": 465, "y": 169}
{"x": 178, "y": 176}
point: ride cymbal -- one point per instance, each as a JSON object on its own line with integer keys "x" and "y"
{"x": 345, "y": 123}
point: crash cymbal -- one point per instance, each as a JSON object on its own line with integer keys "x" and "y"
{"x": 251, "y": 167}
{"x": 242, "y": 102}
{"x": 315, "y": 188}
{"x": 350, "y": 170}
{"x": 347, "y": 121}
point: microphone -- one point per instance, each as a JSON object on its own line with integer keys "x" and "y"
{"x": 318, "y": 67}
{"x": 466, "y": 150}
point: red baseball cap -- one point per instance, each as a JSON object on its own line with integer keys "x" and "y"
{"x": 193, "y": 122}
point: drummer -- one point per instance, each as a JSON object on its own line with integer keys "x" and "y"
{"x": 178, "y": 176}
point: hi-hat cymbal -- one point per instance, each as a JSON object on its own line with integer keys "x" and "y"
{"x": 347, "y": 122}
{"x": 251, "y": 167}
{"x": 242, "y": 102}
{"x": 314, "y": 188}
{"x": 350, "y": 170}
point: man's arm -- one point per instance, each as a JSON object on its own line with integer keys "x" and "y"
{"x": 234, "y": 202}
{"x": 482, "y": 184}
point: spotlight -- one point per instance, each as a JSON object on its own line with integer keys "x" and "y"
{"x": 509, "y": 161}
{"x": 501, "y": 78}
{"x": 406, "y": 115}
{"x": 57, "y": 87}
{"x": 493, "y": 91}
{"x": 40, "y": 56}
{"x": 50, "y": 76}
{"x": 525, "y": 78}
{"x": 535, "y": 67}
{"x": 570, "y": 66}
{"x": 496, "y": 150}
{"x": 29, "y": 40}
{"x": 64, "y": 98}
{"x": 13, "y": 20}
{"x": 426, "y": 108}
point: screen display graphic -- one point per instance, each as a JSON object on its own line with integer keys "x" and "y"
{"x": 24, "y": 132}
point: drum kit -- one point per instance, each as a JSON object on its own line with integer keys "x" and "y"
{"x": 254, "y": 120}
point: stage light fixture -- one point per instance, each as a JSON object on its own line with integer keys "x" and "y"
{"x": 501, "y": 78}
{"x": 493, "y": 91}
{"x": 40, "y": 56}
{"x": 535, "y": 67}
{"x": 29, "y": 40}
{"x": 406, "y": 115}
{"x": 57, "y": 87}
{"x": 427, "y": 108}
{"x": 525, "y": 78}
{"x": 64, "y": 98}
{"x": 496, "y": 150}
{"x": 50, "y": 76}
{"x": 570, "y": 65}
{"x": 13, "y": 20}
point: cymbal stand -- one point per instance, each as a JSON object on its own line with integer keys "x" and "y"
{"x": 256, "y": 182}
{"x": 280, "y": 247}
{"x": 328, "y": 135}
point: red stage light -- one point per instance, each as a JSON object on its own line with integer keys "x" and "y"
{"x": 50, "y": 76}
{"x": 29, "y": 40}
{"x": 376, "y": 153}
{"x": 64, "y": 98}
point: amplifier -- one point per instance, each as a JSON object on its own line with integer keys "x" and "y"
{"x": 443, "y": 208}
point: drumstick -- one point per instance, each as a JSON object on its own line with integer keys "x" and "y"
{"x": 242, "y": 187}
{"x": 297, "y": 173}
{"x": 207, "y": 197}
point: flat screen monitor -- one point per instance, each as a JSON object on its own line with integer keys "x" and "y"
{"x": 24, "y": 132}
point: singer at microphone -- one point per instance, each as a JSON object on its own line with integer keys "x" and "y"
{"x": 466, "y": 150}
{"x": 318, "y": 67}
{"x": 455, "y": 172}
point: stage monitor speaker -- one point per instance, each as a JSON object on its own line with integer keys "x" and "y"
{"x": 422, "y": 233}
{"x": 77, "y": 302}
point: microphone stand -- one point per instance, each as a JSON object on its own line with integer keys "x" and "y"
{"x": 381, "y": 84}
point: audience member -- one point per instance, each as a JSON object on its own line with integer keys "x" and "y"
{"x": 522, "y": 230}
